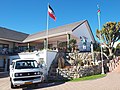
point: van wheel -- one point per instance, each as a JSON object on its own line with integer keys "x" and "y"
{"x": 12, "y": 86}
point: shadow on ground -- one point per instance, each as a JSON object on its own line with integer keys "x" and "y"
{"x": 41, "y": 85}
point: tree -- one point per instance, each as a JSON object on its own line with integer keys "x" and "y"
{"x": 117, "y": 49}
{"x": 110, "y": 34}
{"x": 62, "y": 44}
{"x": 96, "y": 46}
{"x": 72, "y": 43}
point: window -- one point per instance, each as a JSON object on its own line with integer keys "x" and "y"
{"x": 4, "y": 48}
{"x": 26, "y": 64}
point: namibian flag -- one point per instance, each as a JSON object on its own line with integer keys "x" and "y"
{"x": 51, "y": 12}
{"x": 98, "y": 10}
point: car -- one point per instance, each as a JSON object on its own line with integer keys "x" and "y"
{"x": 25, "y": 72}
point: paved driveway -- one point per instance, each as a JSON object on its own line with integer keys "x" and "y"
{"x": 110, "y": 82}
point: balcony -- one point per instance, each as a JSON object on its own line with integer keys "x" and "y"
{"x": 11, "y": 51}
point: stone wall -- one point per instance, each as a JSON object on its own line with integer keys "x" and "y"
{"x": 79, "y": 71}
{"x": 86, "y": 58}
{"x": 81, "y": 65}
{"x": 80, "y": 58}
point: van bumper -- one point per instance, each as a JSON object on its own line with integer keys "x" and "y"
{"x": 26, "y": 82}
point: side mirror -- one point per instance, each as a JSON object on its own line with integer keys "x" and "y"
{"x": 11, "y": 67}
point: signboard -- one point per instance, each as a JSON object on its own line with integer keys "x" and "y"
{"x": 84, "y": 45}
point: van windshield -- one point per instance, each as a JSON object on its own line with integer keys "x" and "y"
{"x": 26, "y": 64}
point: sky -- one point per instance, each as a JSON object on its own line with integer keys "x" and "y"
{"x": 30, "y": 16}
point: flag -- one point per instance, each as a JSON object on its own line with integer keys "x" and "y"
{"x": 51, "y": 12}
{"x": 98, "y": 10}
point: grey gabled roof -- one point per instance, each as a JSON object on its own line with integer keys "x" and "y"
{"x": 60, "y": 29}
{"x": 11, "y": 35}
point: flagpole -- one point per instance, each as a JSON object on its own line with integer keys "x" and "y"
{"x": 47, "y": 28}
{"x": 46, "y": 47}
{"x": 100, "y": 41}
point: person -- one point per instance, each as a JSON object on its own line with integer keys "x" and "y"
{"x": 4, "y": 51}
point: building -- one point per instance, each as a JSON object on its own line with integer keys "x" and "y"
{"x": 9, "y": 40}
{"x": 63, "y": 34}
{"x": 13, "y": 42}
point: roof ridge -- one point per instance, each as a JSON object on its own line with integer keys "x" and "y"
{"x": 69, "y": 24}
{"x": 59, "y": 27}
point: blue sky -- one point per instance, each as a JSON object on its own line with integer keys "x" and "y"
{"x": 29, "y": 16}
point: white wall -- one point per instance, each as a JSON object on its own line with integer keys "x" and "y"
{"x": 48, "y": 56}
{"x": 82, "y": 31}
{"x": 33, "y": 55}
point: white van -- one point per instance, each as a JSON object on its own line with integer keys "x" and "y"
{"x": 25, "y": 71}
